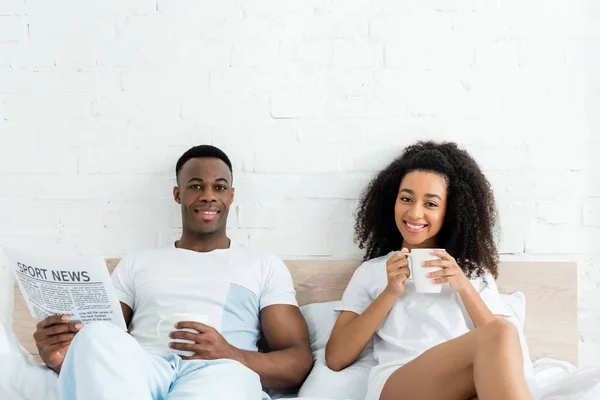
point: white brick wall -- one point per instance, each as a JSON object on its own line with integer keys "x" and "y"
{"x": 309, "y": 99}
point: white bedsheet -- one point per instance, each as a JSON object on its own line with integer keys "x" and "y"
{"x": 21, "y": 379}
{"x": 556, "y": 380}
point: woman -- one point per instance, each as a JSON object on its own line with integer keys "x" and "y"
{"x": 451, "y": 345}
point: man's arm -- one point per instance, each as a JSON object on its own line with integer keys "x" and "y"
{"x": 54, "y": 334}
{"x": 289, "y": 360}
{"x": 127, "y": 314}
{"x": 284, "y": 328}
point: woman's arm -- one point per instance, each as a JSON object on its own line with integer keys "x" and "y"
{"x": 352, "y": 332}
{"x": 478, "y": 311}
{"x": 454, "y": 276}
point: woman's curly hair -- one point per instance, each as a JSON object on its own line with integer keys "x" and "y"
{"x": 468, "y": 231}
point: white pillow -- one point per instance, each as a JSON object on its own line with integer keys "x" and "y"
{"x": 348, "y": 384}
{"x": 516, "y": 307}
{"x": 351, "y": 383}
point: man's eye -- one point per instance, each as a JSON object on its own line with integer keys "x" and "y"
{"x": 221, "y": 187}
{"x": 194, "y": 187}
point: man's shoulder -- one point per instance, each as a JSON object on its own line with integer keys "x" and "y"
{"x": 256, "y": 256}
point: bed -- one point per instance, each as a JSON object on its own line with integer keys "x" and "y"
{"x": 550, "y": 326}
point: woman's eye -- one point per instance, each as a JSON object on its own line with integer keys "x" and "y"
{"x": 431, "y": 204}
{"x": 405, "y": 199}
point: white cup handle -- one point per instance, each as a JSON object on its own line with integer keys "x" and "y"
{"x": 159, "y": 333}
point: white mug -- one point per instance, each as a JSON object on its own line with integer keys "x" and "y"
{"x": 418, "y": 273}
{"x": 167, "y": 325}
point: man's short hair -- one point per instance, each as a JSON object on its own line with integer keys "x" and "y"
{"x": 202, "y": 151}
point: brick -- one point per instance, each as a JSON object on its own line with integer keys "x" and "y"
{"x": 251, "y": 187}
{"x": 249, "y": 81}
{"x": 276, "y": 132}
{"x": 82, "y": 30}
{"x": 63, "y": 105}
{"x": 559, "y": 212}
{"x": 561, "y": 239}
{"x": 90, "y": 9}
{"x": 357, "y": 54}
{"x": 319, "y": 131}
{"x": 130, "y": 105}
{"x": 12, "y": 29}
{"x": 96, "y": 242}
{"x": 202, "y": 8}
{"x": 410, "y": 24}
{"x": 512, "y": 241}
{"x": 587, "y": 354}
{"x": 147, "y": 187}
{"x": 327, "y": 26}
{"x": 591, "y": 212}
{"x": 12, "y": 7}
{"x": 16, "y": 155}
{"x": 200, "y": 55}
{"x": 189, "y": 29}
{"x": 258, "y": 215}
{"x": 515, "y": 214}
{"x": 332, "y": 186}
{"x": 117, "y": 161}
{"x": 313, "y": 54}
{"x": 296, "y": 161}
{"x": 13, "y": 186}
{"x": 589, "y": 283}
{"x": 25, "y": 215}
{"x": 15, "y": 81}
{"x": 121, "y": 55}
{"x": 80, "y": 187}
{"x": 221, "y": 109}
{"x": 251, "y": 52}
{"x": 296, "y": 105}
{"x": 54, "y": 160}
{"x": 143, "y": 29}
{"x": 430, "y": 52}
{"x": 27, "y": 55}
{"x": 365, "y": 107}
{"x": 499, "y": 156}
{"x": 497, "y": 53}
{"x": 161, "y": 82}
{"x": 299, "y": 232}
{"x": 277, "y": 8}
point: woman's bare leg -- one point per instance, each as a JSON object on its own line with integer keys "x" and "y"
{"x": 485, "y": 363}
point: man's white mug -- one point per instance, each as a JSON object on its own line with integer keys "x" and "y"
{"x": 418, "y": 273}
{"x": 167, "y": 325}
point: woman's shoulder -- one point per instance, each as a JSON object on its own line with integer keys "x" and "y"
{"x": 374, "y": 265}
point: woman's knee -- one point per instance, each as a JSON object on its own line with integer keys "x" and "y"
{"x": 499, "y": 331}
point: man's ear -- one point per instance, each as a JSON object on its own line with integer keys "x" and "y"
{"x": 232, "y": 194}
{"x": 177, "y": 195}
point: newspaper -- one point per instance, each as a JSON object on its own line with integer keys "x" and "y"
{"x": 80, "y": 288}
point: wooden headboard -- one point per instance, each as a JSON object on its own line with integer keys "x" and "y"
{"x": 550, "y": 289}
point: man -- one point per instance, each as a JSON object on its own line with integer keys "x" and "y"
{"x": 238, "y": 292}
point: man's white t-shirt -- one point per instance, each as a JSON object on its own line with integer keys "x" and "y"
{"x": 417, "y": 321}
{"x": 230, "y": 286}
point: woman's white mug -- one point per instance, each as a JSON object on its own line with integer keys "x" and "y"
{"x": 166, "y": 325}
{"x": 418, "y": 273}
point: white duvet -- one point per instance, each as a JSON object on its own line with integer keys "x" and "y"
{"x": 556, "y": 380}
{"x": 21, "y": 379}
